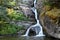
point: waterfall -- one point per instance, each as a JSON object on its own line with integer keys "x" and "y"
{"x": 37, "y": 24}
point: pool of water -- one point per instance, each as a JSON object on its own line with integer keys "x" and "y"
{"x": 26, "y": 38}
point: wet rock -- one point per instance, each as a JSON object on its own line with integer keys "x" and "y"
{"x": 34, "y": 31}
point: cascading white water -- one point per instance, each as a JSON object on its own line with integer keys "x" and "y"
{"x": 38, "y": 24}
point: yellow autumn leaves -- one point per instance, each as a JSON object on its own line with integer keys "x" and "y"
{"x": 46, "y": 8}
{"x": 54, "y": 13}
{"x": 10, "y": 10}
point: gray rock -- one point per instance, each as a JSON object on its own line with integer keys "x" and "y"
{"x": 27, "y": 11}
{"x": 27, "y": 2}
{"x": 40, "y": 5}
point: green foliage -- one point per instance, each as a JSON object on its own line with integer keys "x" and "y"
{"x": 6, "y": 16}
{"x": 9, "y": 29}
{"x": 7, "y": 3}
{"x": 16, "y": 16}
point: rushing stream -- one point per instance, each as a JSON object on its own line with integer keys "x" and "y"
{"x": 37, "y": 26}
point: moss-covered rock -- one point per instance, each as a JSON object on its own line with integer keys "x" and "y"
{"x": 50, "y": 17}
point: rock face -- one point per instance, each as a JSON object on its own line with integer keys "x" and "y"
{"x": 27, "y": 11}
{"x": 25, "y": 6}
{"x": 27, "y": 2}
{"x": 50, "y": 17}
{"x": 40, "y": 5}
